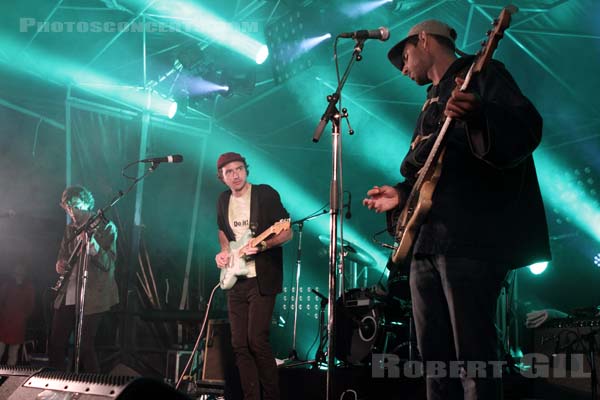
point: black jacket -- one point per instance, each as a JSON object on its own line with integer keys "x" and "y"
{"x": 487, "y": 203}
{"x": 265, "y": 210}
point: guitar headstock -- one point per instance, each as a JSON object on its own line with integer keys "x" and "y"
{"x": 494, "y": 36}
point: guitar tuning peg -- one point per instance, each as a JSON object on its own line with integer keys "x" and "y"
{"x": 488, "y": 33}
{"x": 495, "y": 22}
{"x": 483, "y": 43}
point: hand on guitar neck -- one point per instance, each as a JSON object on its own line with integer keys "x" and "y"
{"x": 463, "y": 105}
{"x": 383, "y": 198}
{"x": 61, "y": 266}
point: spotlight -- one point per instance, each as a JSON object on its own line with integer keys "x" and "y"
{"x": 538, "y": 268}
{"x": 262, "y": 54}
{"x": 597, "y": 260}
{"x": 172, "y": 110}
{"x": 216, "y": 71}
{"x": 182, "y": 99}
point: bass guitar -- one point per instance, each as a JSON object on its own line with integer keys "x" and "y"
{"x": 237, "y": 259}
{"x": 419, "y": 201}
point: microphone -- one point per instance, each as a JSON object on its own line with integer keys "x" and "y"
{"x": 175, "y": 158}
{"x": 382, "y": 34}
{"x": 349, "y": 212}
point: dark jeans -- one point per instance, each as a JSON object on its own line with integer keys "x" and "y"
{"x": 63, "y": 324}
{"x": 454, "y": 308}
{"x": 250, "y": 318}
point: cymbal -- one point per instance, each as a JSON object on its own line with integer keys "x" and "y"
{"x": 352, "y": 252}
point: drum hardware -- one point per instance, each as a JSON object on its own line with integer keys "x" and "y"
{"x": 300, "y": 223}
{"x": 358, "y": 260}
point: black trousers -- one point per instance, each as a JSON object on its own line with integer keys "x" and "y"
{"x": 63, "y": 324}
{"x": 454, "y": 309}
{"x": 250, "y": 318}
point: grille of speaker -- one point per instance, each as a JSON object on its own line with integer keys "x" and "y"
{"x": 94, "y": 384}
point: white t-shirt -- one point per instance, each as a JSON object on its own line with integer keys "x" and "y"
{"x": 239, "y": 219}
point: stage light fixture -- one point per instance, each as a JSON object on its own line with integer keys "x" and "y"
{"x": 236, "y": 36}
{"x": 289, "y": 45}
{"x": 538, "y": 268}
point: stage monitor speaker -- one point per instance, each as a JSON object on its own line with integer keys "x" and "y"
{"x": 11, "y": 378}
{"x": 567, "y": 337}
{"x": 86, "y": 387}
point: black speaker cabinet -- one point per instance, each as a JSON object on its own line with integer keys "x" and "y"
{"x": 565, "y": 343}
{"x": 28, "y": 384}
{"x": 358, "y": 327}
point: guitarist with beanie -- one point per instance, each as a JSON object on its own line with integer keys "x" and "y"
{"x": 251, "y": 300}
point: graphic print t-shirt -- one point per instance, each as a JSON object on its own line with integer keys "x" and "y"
{"x": 239, "y": 219}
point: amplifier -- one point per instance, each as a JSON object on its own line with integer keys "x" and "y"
{"x": 219, "y": 360}
{"x": 573, "y": 323}
{"x": 568, "y": 339}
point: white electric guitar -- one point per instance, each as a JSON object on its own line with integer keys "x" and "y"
{"x": 237, "y": 259}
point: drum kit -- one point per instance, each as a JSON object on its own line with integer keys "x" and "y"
{"x": 369, "y": 320}
{"x": 375, "y": 319}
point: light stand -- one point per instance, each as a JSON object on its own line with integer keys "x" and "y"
{"x": 332, "y": 114}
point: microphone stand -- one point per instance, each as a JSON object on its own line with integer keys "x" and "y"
{"x": 320, "y": 355}
{"x": 300, "y": 223}
{"x": 333, "y": 114}
{"x": 88, "y": 229}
